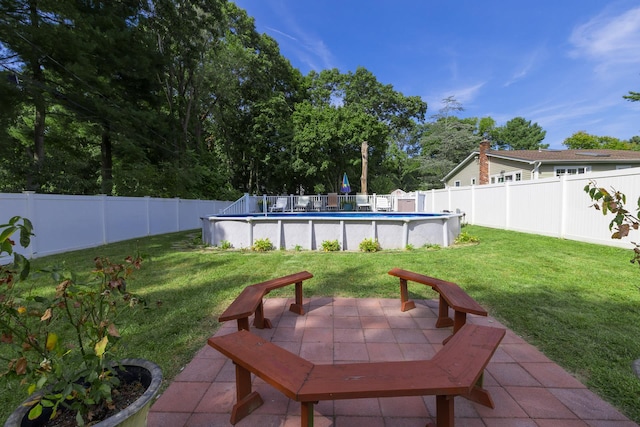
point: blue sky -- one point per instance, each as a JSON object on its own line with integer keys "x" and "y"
{"x": 564, "y": 64}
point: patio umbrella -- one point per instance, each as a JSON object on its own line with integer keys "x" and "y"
{"x": 345, "y": 187}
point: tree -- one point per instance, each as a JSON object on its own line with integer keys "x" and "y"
{"x": 341, "y": 111}
{"x": 25, "y": 34}
{"x": 583, "y": 140}
{"x": 633, "y": 96}
{"x": 446, "y": 141}
{"x": 519, "y": 134}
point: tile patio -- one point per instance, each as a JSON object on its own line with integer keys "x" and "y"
{"x": 528, "y": 389}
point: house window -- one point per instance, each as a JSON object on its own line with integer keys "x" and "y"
{"x": 507, "y": 177}
{"x": 473, "y": 181}
{"x": 456, "y": 184}
{"x": 571, "y": 170}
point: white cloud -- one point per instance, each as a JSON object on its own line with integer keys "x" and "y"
{"x": 527, "y": 64}
{"x": 465, "y": 95}
{"x": 309, "y": 48}
{"x": 609, "y": 40}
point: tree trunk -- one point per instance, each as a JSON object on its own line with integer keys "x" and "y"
{"x": 34, "y": 177}
{"x": 106, "y": 158}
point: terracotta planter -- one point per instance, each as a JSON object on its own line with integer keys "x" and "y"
{"x": 135, "y": 415}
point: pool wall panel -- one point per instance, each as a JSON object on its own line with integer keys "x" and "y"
{"x": 291, "y": 231}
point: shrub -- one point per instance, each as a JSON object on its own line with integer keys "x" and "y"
{"x": 330, "y": 245}
{"x": 262, "y": 245}
{"x": 225, "y": 244}
{"x": 465, "y": 237}
{"x": 34, "y": 329}
{"x": 370, "y": 245}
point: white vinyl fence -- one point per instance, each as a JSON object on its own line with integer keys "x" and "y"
{"x": 556, "y": 207}
{"x": 64, "y": 223}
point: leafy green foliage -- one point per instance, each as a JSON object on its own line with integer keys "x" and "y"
{"x": 370, "y": 245}
{"x": 262, "y": 245}
{"x": 519, "y": 134}
{"x": 466, "y": 237}
{"x": 613, "y": 202}
{"x": 330, "y": 245}
{"x": 62, "y": 345}
{"x": 583, "y": 140}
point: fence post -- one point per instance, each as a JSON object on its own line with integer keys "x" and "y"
{"x": 563, "y": 206}
{"x": 473, "y": 204}
{"x": 507, "y": 205}
{"x": 103, "y": 219}
{"x": 177, "y": 199}
{"x": 147, "y": 214}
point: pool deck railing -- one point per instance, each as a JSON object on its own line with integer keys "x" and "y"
{"x": 248, "y": 204}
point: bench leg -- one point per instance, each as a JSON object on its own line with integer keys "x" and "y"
{"x": 460, "y": 318}
{"x": 405, "y": 303}
{"x": 243, "y": 323}
{"x": 306, "y": 414}
{"x": 443, "y": 314}
{"x": 260, "y": 321}
{"x": 297, "y": 307}
{"x": 480, "y": 395}
{"x": 444, "y": 412}
{"x": 247, "y": 400}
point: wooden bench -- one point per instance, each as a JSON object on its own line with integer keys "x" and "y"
{"x": 451, "y": 295}
{"x": 454, "y": 371}
{"x": 250, "y": 301}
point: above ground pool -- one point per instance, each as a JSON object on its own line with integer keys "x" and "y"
{"x": 307, "y": 230}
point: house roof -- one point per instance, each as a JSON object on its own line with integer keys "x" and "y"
{"x": 581, "y": 156}
{"x": 555, "y": 156}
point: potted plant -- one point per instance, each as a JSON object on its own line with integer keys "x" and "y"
{"x": 61, "y": 345}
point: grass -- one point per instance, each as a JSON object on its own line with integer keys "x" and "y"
{"x": 578, "y": 303}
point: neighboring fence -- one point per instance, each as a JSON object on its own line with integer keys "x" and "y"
{"x": 64, "y": 223}
{"x": 556, "y": 207}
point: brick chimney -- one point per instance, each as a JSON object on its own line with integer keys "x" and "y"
{"x": 483, "y": 161}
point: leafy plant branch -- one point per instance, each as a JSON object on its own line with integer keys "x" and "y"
{"x": 613, "y": 202}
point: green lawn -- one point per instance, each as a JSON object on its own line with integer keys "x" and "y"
{"x": 578, "y": 303}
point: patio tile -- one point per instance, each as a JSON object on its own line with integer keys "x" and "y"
{"x": 351, "y": 421}
{"x": 350, "y": 335}
{"x": 524, "y": 353}
{"x": 511, "y": 374}
{"x": 381, "y": 352}
{"x": 379, "y": 335}
{"x": 409, "y": 336}
{"x": 344, "y": 322}
{"x": 201, "y": 369}
{"x": 402, "y": 322}
{"x": 350, "y": 351}
{"x": 363, "y": 407}
{"x": 539, "y": 402}
{"x": 587, "y": 405}
{"x": 409, "y": 406}
{"x": 374, "y": 322}
{"x": 182, "y": 397}
{"x": 552, "y": 375}
{"x": 317, "y": 335}
{"x": 219, "y": 398}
